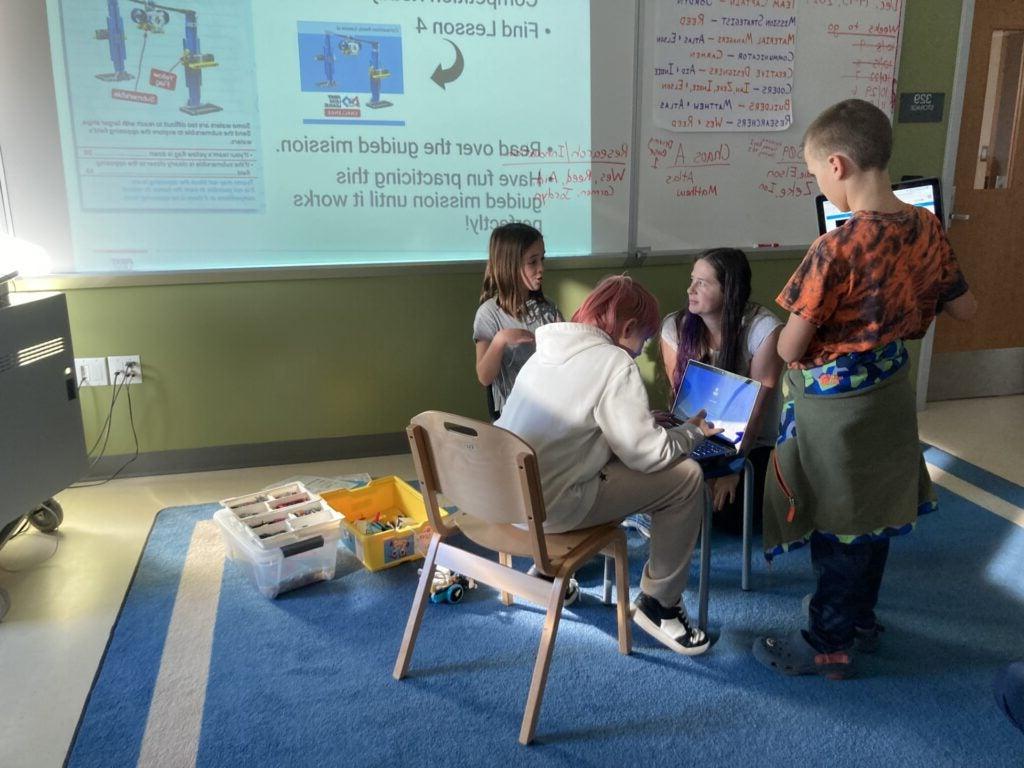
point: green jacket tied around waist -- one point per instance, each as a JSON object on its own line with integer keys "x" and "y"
{"x": 853, "y": 469}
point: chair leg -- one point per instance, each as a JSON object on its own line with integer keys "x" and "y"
{"x": 608, "y": 578}
{"x": 543, "y": 663}
{"x": 622, "y": 593}
{"x": 705, "y": 562}
{"x": 748, "y": 522}
{"x": 505, "y": 559}
{"x": 419, "y": 602}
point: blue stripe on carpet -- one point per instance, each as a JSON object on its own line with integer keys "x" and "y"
{"x": 998, "y": 486}
{"x": 306, "y": 679}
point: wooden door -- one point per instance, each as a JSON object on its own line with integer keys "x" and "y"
{"x": 987, "y": 216}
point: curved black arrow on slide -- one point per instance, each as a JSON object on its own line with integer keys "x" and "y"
{"x": 442, "y": 76}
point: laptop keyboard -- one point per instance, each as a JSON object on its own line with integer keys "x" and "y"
{"x": 710, "y": 449}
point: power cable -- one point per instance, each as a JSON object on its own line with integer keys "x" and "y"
{"x": 105, "y": 429}
{"x": 135, "y": 435}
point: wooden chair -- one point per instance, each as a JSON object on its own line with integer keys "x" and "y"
{"x": 491, "y": 476}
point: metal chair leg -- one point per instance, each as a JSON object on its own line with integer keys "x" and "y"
{"x": 748, "y": 521}
{"x": 705, "y": 561}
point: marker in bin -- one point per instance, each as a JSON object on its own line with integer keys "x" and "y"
{"x": 290, "y": 502}
{"x": 257, "y": 499}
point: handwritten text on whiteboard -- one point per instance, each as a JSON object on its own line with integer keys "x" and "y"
{"x": 724, "y": 66}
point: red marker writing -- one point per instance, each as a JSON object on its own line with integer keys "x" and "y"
{"x": 768, "y": 245}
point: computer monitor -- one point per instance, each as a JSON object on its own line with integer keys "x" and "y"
{"x": 926, "y": 193}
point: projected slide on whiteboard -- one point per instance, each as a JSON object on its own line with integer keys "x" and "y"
{"x": 207, "y": 134}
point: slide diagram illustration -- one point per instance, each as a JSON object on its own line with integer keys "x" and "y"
{"x": 349, "y": 61}
{"x": 154, "y": 18}
{"x": 352, "y": 46}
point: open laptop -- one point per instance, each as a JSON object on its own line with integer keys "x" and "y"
{"x": 729, "y": 400}
{"x": 926, "y": 193}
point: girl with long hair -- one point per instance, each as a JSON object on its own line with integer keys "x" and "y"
{"x": 719, "y": 325}
{"x": 512, "y": 307}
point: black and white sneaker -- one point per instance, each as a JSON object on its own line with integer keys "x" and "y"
{"x": 669, "y": 626}
{"x": 572, "y": 587}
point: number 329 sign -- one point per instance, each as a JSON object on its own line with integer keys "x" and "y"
{"x": 921, "y": 107}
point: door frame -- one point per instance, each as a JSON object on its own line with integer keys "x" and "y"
{"x": 956, "y": 109}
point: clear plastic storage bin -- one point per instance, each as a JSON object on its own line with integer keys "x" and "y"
{"x": 284, "y": 537}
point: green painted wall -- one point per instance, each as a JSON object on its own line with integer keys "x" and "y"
{"x": 930, "y": 33}
{"x": 258, "y": 362}
{"x": 279, "y": 360}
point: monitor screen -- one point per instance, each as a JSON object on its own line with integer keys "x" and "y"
{"x": 727, "y": 397}
{"x": 922, "y": 192}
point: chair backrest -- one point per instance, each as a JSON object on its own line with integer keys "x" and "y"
{"x": 487, "y": 472}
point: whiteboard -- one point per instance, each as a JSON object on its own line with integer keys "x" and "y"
{"x": 711, "y": 184}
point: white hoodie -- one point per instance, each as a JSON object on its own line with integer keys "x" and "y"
{"x": 579, "y": 400}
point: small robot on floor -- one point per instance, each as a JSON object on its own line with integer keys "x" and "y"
{"x": 448, "y": 586}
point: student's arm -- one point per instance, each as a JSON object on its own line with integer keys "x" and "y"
{"x": 668, "y": 357}
{"x": 795, "y": 338}
{"x": 963, "y": 307}
{"x": 623, "y": 414}
{"x": 955, "y": 297}
{"x": 765, "y": 367}
{"x": 489, "y": 353}
{"x": 811, "y": 297}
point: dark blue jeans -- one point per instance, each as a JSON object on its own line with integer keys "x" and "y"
{"x": 849, "y": 577}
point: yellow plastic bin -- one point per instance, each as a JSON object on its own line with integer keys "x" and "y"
{"x": 385, "y": 500}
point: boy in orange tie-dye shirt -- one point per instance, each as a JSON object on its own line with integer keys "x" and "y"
{"x": 848, "y": 468}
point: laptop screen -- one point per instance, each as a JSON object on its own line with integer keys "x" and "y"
{"x": 727, "y": 397}
{"x": 921, "y": 192}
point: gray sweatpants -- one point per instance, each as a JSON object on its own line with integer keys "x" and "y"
{"x": 674, "y": 499}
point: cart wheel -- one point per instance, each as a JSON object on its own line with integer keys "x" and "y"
{"x": 48, "y": 516}
{"x": 5, "y": 603}
{"x": 455, "y": 592}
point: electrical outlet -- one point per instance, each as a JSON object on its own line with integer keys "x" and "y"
{"x": 119, "y": 363}
{"x": 91, "y": 371}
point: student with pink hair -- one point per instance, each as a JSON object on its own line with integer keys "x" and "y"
{"x": 580, "y": 402}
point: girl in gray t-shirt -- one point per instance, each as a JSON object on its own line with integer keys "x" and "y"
{"x": 512, "y": 306}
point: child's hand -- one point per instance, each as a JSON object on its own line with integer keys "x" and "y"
{"x": 511, "y": 337}
{"x": 723, "y": 490}
{"x": 706, "y": 427}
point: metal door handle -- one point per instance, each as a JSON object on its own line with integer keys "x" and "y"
{"x": 959, "y": 217}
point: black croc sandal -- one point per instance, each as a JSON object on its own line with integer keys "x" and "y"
{"x": 793, "y": 655}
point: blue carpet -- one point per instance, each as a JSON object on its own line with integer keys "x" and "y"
{"x": 306, "y": 679}
{"x": 975, "y": 475}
